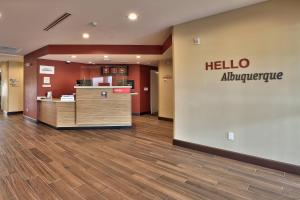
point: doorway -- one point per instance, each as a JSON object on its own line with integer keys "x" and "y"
{"x": 0, "y": 91}
{"x": 154, "y": 92}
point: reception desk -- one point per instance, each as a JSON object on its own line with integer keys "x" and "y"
{"x": 103, "y": 106}
{"x": 57, "y": 113}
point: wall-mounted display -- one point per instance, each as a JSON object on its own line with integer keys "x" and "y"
{"x": 47, "y": 69}
{"x": 114, "y": 70}
{"x": 84, "y": 83}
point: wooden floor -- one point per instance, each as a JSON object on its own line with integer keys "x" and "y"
{"x": 38, "y": 162}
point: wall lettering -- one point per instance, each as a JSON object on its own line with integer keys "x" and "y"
{"x": 219, "y": 65}
{"x": 230, "y": 76}
{"x": 243, "y": 77}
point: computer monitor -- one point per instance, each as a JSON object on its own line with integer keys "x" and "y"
{"x": 84, "y": 83}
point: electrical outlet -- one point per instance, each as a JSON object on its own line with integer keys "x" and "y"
{"x": 231, "y": 136}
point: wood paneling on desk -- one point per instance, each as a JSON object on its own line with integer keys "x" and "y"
{"x": 56, "y": 113}
{"x": 94, "y": 109}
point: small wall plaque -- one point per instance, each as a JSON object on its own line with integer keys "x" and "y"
{"x": 46, "y": 80}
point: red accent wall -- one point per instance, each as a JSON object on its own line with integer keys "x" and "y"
{"x": 145, "y": 83}
{"x": 141, "y": 75}
{"x": 30, "y": 88}
{"x": 64, "y": 79}
{"x": 134, "y": 74}
{"x": 97, "y": 49}
{"x": 167, "y": 44}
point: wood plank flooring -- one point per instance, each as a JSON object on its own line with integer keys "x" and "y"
{"x": 38, "y": 162}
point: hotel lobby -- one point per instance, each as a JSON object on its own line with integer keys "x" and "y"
{"x": 135, "y": 99}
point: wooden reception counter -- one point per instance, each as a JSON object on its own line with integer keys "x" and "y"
{"x": 103, "y": 106}
{"x": 56, "y": 113}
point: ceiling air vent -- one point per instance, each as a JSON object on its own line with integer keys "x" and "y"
{"x": 57, "y": 21}
{"x": 9, "y": 50}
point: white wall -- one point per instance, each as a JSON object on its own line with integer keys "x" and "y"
{"x": 166, "y": 89}
{"x": 15, "y": 103}
{"x": 4, "y": 85}
{"x": 264, "y": 116}
{"x": 12, "y": 95}
{"x": 154, "y": 91}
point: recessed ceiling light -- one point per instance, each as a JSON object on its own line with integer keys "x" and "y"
{"x": 133, "y": 16}
{"x": 73, "y": 56}
{"x": 86, "y": 36}
{"x": 106, "y": 58}
{"x": 138, "y": 57}
{"x": 68, "y": 61}
{"x": 0, "y": 15}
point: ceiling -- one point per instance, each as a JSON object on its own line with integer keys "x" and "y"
{"x": 23, "y": 21}
{"x": 112, "y": 59}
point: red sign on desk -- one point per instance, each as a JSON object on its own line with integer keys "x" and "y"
{"x": 121, "y": 90}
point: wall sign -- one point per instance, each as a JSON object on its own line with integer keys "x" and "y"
{"x": 14, "y": 82}
{"x": 46, "y": 80}
{"x": 167, "y": 77}
{"x": 121, "y": 90}
{"x": 243, "y": 77}
{"x": 47, "y": 69}
{"x": 146, "y": 89}
{"x": 219, "y": 65}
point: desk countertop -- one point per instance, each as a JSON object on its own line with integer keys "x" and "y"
{"x": 100, "y": 87}
{"x": 55, "y": 100}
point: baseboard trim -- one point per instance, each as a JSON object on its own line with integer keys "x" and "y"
{"x": 83, "y": 127}
{"x": 145, "y": 113}
{"x": 136, "y": 114}
{"x": 166, "y": 119}
{"x": 14, "y": 113}
{"x": 141, "y": 113}
{"x": 90, "y": 127}
{"x": 30, "y": 119}
{"x": 285, "y": 167}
